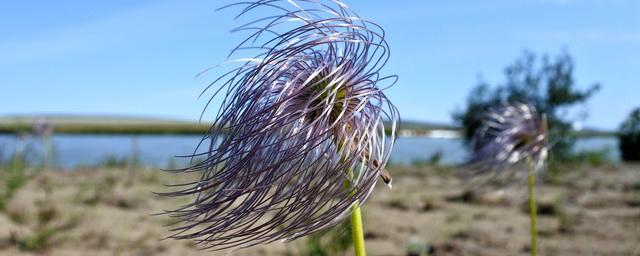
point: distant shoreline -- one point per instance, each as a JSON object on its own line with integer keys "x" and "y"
{"x": 154, "y": 126}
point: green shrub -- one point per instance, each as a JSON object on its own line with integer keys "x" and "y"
{"x": 436, "y": 158}
{"x": 594, "y": 157}
{"x": 13, "y": 177}
{"x": 416, "y": 247}
{"x": 37, "y": 241}
{"x": 113, "y": 161}
{"x": 630, "y": 137}
{"x": 335, "y": 241}
{"x": 546, "y": 83}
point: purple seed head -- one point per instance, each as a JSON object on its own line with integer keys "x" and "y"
{"x": 42, "y": 127}
{"x": 299, "y": 137}
{"x": 508, "y": 136}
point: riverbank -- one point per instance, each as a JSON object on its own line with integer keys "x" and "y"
{"x": 583, "y": 211}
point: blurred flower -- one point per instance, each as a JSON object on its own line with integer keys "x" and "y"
{"x": 508, "y": 135}
{"x": 42, "y": 127}
{"x": 299, "y": 137}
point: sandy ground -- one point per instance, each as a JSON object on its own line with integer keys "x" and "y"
{"x": 584, "y": 211}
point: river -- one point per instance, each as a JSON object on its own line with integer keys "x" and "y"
{"x": 71, "y": 151}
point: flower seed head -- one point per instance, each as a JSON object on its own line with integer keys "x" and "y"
{"x": 299, "y": 137}
{"x": 42, "y": 127}
{"x": 508, "y": 135}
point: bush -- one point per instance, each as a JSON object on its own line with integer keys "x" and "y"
{"x": 630, "y": 137}
{"x": 335, "y": 241}
{"x": 12, "y": 178}
{"x": 546, "y": 83}
{"x": 599, "y": 157}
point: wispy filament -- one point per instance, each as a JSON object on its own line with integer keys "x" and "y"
{"x": 509, "y": 135}
{"x": 298, "y": 120}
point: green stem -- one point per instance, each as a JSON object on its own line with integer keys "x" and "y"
{"x": 533, "y": 212}
{"x": 48, "y": 150}
{"x": 357, "y": 231}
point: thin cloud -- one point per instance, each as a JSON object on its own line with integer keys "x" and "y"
{"x": 584, "y": 35}
{"x": 140, "y": 24}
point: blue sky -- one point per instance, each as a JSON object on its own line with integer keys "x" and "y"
{"x": 141, "y": 57}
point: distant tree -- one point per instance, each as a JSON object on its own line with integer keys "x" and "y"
{"x": 546, "y": 83}
{"x": 630, "y": 137}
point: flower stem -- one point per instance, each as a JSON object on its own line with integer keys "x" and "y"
{"x": 48, "y": 151}
{"x": 357, "y": 231}
{"x": 533, "y": 212}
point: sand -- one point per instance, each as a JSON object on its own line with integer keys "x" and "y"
{"x": 583, "y": 211}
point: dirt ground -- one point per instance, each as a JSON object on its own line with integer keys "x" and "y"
{"x": 583, "y": 211}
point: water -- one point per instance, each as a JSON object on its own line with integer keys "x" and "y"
{"x": 159, "y": 150}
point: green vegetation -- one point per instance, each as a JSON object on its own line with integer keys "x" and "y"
{"x": 547, "y": 84}
{"x": 102, "y": 125}
{"x": 600, "y": 157}
{"x": 113, "y": 162}
{"x": 12, "y": 176}
{"x": 91, "y": 193}
{"x": 630, "y": 137}
{"x": 49, "y": 222}
{"x": 336, "y": 241}
{"x": 417, "y": 248}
